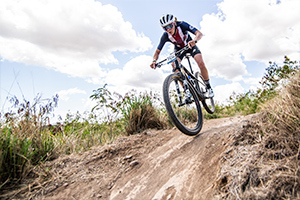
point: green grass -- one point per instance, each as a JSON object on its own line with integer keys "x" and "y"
{"x": 27, "y": 139}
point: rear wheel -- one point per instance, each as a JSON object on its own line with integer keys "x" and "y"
{"x": 184, "y": 112}
{"x": 208, "y": 103}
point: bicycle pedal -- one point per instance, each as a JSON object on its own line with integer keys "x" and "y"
{"x": 188, "y": 100}
{"x": 181, "y": 104}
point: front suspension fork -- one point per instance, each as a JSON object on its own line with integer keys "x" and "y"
{"x": 186, "y": 90}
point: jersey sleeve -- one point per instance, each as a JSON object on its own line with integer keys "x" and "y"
{"x": 188, "y": 27}
{"x": 164, "y": 38}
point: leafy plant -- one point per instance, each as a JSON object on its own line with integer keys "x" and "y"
{"x": 275, "y": 76}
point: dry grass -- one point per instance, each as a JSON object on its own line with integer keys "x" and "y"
{"x": 142, "y": 118}
{"x": 262, "y": 161}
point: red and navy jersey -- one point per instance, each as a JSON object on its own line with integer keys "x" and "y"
{"x": 181, "y": 36}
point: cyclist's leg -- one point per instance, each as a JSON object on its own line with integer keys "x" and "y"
{"x": 175, "y": 65}
{"x": 196, "y": 53}
{"x": 204, "y": 72}
{"x": 199, "y": 60}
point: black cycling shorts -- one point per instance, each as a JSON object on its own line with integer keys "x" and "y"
{"x": 193, "y": 51}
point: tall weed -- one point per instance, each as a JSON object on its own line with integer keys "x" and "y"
{"x": 23, "y": 139}
{"x": 136, "y": 112}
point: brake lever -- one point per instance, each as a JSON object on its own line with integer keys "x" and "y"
{"x": 181, "y": 51}
{"x": 157, "y": 65}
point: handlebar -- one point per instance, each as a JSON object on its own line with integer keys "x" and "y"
{"x": 172, "y": 57}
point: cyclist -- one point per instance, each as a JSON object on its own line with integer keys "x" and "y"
{"x": 176, "y": 32}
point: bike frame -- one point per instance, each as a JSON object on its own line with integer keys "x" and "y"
{"x": 190, "y": 78}
{"x": 187, "y": 76}
{"x": 186, "y": 84}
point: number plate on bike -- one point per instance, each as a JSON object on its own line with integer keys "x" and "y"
{"x": 171, "y": 58}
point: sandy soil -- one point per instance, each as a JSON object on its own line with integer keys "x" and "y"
{"x": 158, "y": 165}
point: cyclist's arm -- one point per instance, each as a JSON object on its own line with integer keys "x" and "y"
{"x": 155, "y": 57}
{"x": 162, "y": 42}
{"x": 198, "y": 36}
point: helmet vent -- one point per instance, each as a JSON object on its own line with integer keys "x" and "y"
{"x": 166, "y": 19}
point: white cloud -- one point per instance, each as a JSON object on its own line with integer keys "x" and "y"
{"x": 70, "y": 36}
{"x": 223, "y": 92}
{"x": 252, "y": 81}
{"x": 64, "y": 95}
{"x": 136, "y": 74}
{"x": 256, "y": 30}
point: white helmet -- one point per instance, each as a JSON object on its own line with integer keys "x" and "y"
{"x": 166, "y": 20}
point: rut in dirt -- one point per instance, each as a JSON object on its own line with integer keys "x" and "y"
{"x": 151, "y": 165}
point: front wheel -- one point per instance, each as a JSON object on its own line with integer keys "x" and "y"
{"x": 208, "y": 103}
{"x": 184, "y": 112}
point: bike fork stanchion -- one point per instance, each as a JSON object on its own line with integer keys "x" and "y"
{"x": 186, "y": 88}
{"x": 187, "y": 93}
{"x": 178, "y": 92}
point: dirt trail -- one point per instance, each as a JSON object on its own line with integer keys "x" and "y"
{"x": 152, "y": 165}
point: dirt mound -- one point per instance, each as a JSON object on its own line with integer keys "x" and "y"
{"x": 262, "y": 162}
{"x": 151, "y": 165}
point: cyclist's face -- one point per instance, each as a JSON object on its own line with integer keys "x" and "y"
{"x": 170, "y": 28}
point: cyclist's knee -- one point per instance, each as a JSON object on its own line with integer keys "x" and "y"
{"x": 175, "y": 70}
{"x": 200, "y": 62}
{"x": 175, "y": 66}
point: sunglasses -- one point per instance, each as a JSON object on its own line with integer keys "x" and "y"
{"x": 170, "y": 26}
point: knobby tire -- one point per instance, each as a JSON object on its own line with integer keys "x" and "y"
{"x": 208, "y": 104}
{"x": 180, "y": 115}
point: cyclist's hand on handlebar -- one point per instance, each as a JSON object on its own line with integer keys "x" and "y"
{"x": 153, "y": 65}
{"x": 191, "y": 43}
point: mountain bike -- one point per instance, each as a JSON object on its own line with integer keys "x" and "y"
{"x": 182, "y": 93}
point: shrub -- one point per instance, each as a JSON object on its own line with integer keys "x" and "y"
{"x": 137, "y": 112}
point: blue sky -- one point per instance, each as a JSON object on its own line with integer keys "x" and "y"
{"x": 72, "y": 47}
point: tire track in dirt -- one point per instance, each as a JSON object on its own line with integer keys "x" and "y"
{"x": 183, "y": 168}
{"x": 155, "y": 165}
